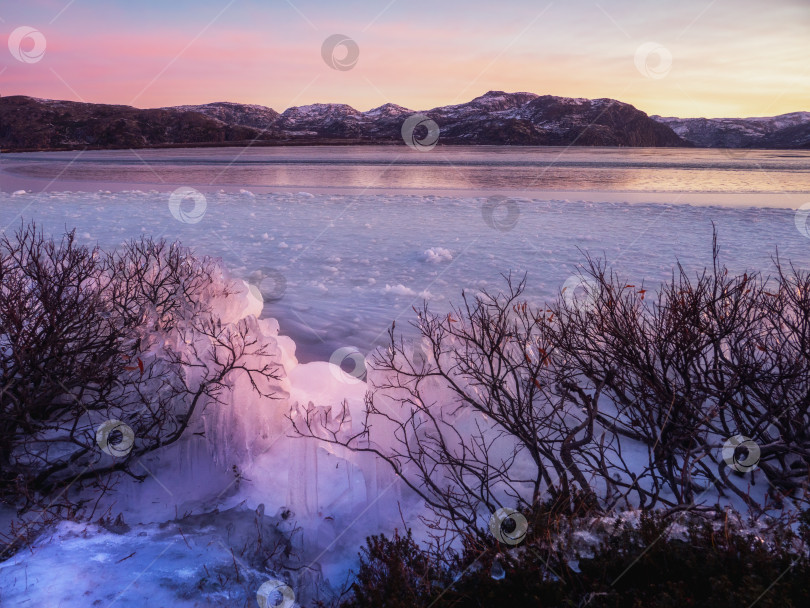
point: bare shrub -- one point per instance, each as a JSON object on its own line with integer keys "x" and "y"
{"x": 87, "y": 337}
{"x": 505, "y": 432}
{"x": 622, "y": 399}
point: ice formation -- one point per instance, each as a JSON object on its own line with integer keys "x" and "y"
{"x": 249, "y": 461}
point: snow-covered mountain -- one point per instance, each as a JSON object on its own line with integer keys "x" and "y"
{"x": 246, "y": 115}
{"x": 783, "y": 131}
{"x": 493, "y": 118}
{"x": 529, "y": 119}
{"x": 321, "y": 119}
{"x": 496, "y": 117}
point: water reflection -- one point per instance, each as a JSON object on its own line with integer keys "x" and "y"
{"x": 444, "y": 168}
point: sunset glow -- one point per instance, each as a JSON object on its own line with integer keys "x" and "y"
{"x": 729, "y": 57}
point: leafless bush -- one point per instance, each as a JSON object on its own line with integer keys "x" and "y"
{"x": 623, "y": 398}
{"x": 158, "y": 280}
{"x": 651, "y": 356}
{"x": 505, "y": 430}
{"x": 87, "y": 337}
{"x": 703, "y": 360}
{"x": 765, "y": 390}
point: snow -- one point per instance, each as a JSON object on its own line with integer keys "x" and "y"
{"x": 388, "y": 109}
{"x": 402, "y": 290}
{"x": 174, "y": 564}
{"x": 770, "y": 123}
{"x": 318, "y": 110}
{"x": 346, "y": 280}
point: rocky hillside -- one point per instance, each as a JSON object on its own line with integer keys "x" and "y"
{"x": 244, "y": 115}
{"x": 29, "y": 123}
{"x": 784, "y": 131}
{"x": 493, "y": 118}
{"x": 528, "y": 119}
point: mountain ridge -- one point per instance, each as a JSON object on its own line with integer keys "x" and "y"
{"x": 494, "y": 118}
{"x": 791, "y": 130}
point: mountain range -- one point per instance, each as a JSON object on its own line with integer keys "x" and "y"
{"x": 29, "y": 123}
{"x": 784, "y": 131}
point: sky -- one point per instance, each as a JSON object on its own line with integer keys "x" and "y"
{"x": 712, "y": 58}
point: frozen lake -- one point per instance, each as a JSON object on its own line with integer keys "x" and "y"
{"x": 341, "y": 245}
{"x": 374, "y": 169}
{"x": 344, "y": 240}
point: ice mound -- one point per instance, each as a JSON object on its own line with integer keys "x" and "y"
{"x": 402, "y": 290}
{"x": 238, "y": 460}
{"x": 437, "y": 255}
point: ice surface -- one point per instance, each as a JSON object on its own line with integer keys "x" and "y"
{"x": 353, "y": 264}
{"x": 214, "y": 559}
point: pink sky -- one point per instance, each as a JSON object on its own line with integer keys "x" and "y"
{"x": 729, "y": 57}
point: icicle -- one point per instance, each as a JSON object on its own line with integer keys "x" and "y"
{"x": 497, "y": 572}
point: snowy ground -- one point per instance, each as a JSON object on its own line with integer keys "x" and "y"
{"x": 335, "y": 271}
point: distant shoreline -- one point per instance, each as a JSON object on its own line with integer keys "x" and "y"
{"x": 298, "y": 143}
{"x": 232, "y": 144}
